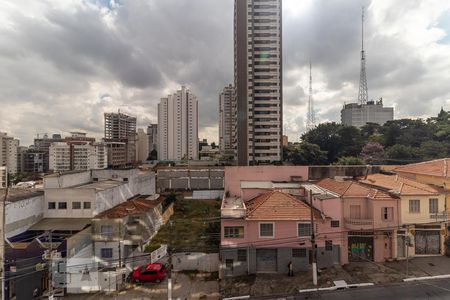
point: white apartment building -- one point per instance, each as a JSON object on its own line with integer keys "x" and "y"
{"x": 77, "y": 155}
{"x": 226, "y": 120}
{"x": 358, "y": 115}
{"x": 141, "y": 145}
{"x": 178, "y": 126}
{"x": 258, "y": 81}
{"x": 3, "y": 177}
{"x": 9, "y": 152}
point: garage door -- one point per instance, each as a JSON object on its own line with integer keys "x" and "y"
{"x": 266, "y": 260}
{"x": 427, "y": 242}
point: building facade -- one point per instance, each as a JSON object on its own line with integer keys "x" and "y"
{"x": 152, "y": 132}
{"x": 9, "y": 152}
{"x": 43, "y": 144}
{"x": 3, "y": 177}
{"x": 120, "y": 127}
{"x": 258, "y": 81}
{"x": 358, "y": 115}
{"x": 226, "y": 120}
{"x": 141, "y": 145}
{"x": 178, "y": 126}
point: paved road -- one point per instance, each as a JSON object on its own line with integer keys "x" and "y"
{"x": 427, "y": 289}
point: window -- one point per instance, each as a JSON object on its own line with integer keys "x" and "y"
{"x": 234, "y": 231}
{"x": 433, "y": 202}
{"x": 87, "y": 205}
{"x": 51, "y": 205}
{"x": 76, "y": 205}
{"x": 328, "y": 245}
{"x": 266, "y": 229}
{"x": 387, "y": 213}
{"x": 106, "y": 252}
{"x": 355, "y": 212}
{"x": 298, "y": 252}
{"x": 414, "y": 206}
{"x": 242, "y": 255}
{"x": 335, "y": 223}
{"x": 62, "y": 205}
{"x": 304, "y": 229}
{"x": 106, "y": 231}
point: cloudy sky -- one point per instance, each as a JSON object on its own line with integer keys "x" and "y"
{"x": 64, "y": 63}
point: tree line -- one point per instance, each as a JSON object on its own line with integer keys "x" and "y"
{"x": 396, "y": 142}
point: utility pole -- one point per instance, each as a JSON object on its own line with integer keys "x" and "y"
{"x": 313, "y": 241}
{"x": 50, "y": 267}
{"x": 169, "y": 280}
{"x": 2, "y": 248}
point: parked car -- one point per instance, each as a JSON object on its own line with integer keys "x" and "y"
{"x": 155, "y": 272}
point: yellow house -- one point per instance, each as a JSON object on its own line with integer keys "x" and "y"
{"x": 423, "y": 213}
{"x": 435, "y": 172}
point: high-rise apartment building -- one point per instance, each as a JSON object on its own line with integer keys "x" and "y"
{"x": 152, "y": 132}
{"x": 141, "y": 145}
{"x": 9, "y": 152}
{"x": 178, "y": 126}
{"x": 258, "y": 81}
{"x": 121, "y": 128}
{"x": 43, "y": 144}
{"x": 226, "y": 121}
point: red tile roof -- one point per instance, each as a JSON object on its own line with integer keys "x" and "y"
{"x": 399, "y": 185}
{"x": 276, "y": 205}
{"x": 438, "y": 167}
{"x": 351, "y": 188}
{"x": 129, "y": 208}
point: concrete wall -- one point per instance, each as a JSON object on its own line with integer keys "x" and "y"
{"x": 207, "y": 178}
{"x": 69, "y": 195}
{"x": 62, "y": 181}
{"x": 196, "y": 261}
{"x": 23, "y": 214}
{"x": 234, "y": 175}
{"x": 320, "y": 172}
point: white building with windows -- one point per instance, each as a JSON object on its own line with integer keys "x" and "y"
{"x": 226, "y": 122}
{"x": 79, "y": 155}
{"x": 141, "y": 145}
{"x": 178, "y": 126}
{"x": 9, "y": 152}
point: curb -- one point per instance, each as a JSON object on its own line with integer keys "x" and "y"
{"x": 427, "y": 278}
{"x": 334, "y": 288}
{"x": 237, "y": 298}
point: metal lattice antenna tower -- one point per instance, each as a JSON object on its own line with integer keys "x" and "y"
{"x": 310, "y": 116}
{"x": 363, "y": 94}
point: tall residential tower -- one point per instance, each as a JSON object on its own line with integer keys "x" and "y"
{"x": 226, "y": 120}
{"x": 178, "y": 126}
{"x": 258, "y": 81}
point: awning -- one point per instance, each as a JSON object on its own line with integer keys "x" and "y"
{"x": 69, "y": 224}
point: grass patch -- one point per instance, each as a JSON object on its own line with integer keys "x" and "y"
{"x": 195, "y": 227}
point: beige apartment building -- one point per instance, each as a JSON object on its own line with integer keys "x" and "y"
{"x": 258, "y": 81}
{"x": 8, "y": 152}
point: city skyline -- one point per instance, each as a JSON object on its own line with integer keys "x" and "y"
{"x": 48, "y": 76}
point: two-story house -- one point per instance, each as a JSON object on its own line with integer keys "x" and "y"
{"x": 369, "y": 216}
{"x": 423, "y": 213}
{"x": 120, "y": 231}
{"x": 265, "y": 233}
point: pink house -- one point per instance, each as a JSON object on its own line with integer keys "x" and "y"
{"x": 369, "y": 217}
{"x": 265, "y": 233}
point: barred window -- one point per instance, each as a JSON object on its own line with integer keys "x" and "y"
{"x": 298, "y": 252}
{"x": 335, "y": 223}
{"x": 304, "y": 229}
{"x": 329, "y": 245}
{"x": 266, "y": 229}
{"x": 233, "y": 231}
{"x": 242, "y": 255}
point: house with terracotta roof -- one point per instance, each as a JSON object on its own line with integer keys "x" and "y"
{"x": 368, "y": 217}
{"x": 265, "y": 233}
{"x": 125, "y": 229}
{"x": 435, "y": 172}
{"x": 423, "y": 212}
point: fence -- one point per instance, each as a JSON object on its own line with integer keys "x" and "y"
{"x": 205, "y": 262}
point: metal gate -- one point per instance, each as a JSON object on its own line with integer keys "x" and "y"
{"x": 427, "y": 242}
{"x": 401, "y": 242}
{"x": 360, "y": 248}
{"x": 266, "y": 260}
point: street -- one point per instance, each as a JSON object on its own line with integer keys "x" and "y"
{"x": 426, "y": 289}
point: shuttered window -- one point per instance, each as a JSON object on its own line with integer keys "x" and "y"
{"x": 387, "y": 213}
{"x": 433, "y": 205}
{"x": 414, "y": 206}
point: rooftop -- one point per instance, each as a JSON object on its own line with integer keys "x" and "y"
{"x": 131, "y": 207}
{"x": 276, "y": 205}
{"x": 17, "y": 194}
{"x": 351, "y": 188}
{"x": 70, "y": 224}
{"x": 438, "y": 167}
{"x": 399, "y": 185}
{"x": 101, "y": 185}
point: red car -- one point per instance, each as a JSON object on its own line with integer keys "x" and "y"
{"x": 156, "y": 272}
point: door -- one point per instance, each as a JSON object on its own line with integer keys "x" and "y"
{"x": 266, "y": 260}
{"x": 387, "y": 247}
{"x": 229, "y": 267}
{"x": 427, "y": 242}
{"x": 401, "y": 246}
{"x": 360, "y": 248}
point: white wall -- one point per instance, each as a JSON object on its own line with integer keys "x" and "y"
{"x": 23, "y": 214}
{"x": 66, "y": 180}
{"x": 69, "y": 195}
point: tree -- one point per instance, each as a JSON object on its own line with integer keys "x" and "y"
{"x": 401, "y": 154}
{"x": 372, "y": 153}
{"x": 433, "y": 149}
{"x": 349, "y": 160}
{"x": 305, "y": 154}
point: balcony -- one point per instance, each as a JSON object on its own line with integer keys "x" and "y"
{"x": 359, "y": 224}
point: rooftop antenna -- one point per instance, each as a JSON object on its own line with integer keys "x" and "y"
{"x": 363, "y": 94}
{"x": 310, "y": 116}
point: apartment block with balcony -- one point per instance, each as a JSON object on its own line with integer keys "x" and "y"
{"x": 9, "y": 153}
{"x": 423, "y": 212}
{"x": 125, "y": 229}
{"x": 369, "y": 216}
